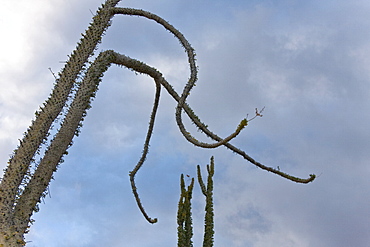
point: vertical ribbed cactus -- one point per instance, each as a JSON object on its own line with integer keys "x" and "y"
{"x": 24, "y": 183}
{"x": 208, "y": 193}
{"x": 184, "y": 219}
{"x": 184, "y": 216}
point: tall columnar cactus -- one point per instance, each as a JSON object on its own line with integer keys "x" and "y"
{"x": 184, "y": 216}
{"x": 184, "y": 219}
{"x": 23, "y": 184}
{"x": 208, "y": 193}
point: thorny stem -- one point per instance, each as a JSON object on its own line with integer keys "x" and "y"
{"x": 145, "y": 152}
{"x": 193, "y": 76}
{"x": 22, "y": 159}
{"x": 37, "y": 133}
{"x": 141, "y": 67}
{"x": 184, "y": 219}
{"x": 182, "y": 104}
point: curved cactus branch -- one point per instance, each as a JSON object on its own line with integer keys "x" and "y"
{"x": 183, "y": 105}
{"x": 191, "y": 82}
{"x": 20, "y": 191}
{"x": 145, "y": 152}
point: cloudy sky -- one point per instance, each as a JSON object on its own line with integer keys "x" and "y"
{"x": 306, "y": 62}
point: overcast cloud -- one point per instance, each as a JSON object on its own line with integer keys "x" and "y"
{"x": 306, "y": 62}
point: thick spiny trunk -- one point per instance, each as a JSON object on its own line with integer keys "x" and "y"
{"x": 14, "y": 221}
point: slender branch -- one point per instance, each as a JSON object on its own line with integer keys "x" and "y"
{"x": 143, "y": 68}
{"x": 145, "y": 152}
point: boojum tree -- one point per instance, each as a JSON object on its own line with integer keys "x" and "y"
{"x": 25, "y": 181}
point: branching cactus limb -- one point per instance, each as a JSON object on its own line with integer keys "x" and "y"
{"x": 144, "y": 154}
{"x": 184, "y": 215}
{"x": 193, "y": 76}
{"x": 21, "y": 190}
{"x": 208, "y": 193}
{"x": 183, "y": 105}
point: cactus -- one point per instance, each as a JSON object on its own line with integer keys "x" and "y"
{"x": 208, "y": 193}
{"x": 184, "y": 218}
{"x": 24, "y": 183}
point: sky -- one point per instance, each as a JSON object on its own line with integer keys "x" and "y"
{"x": 306, "y": 62}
